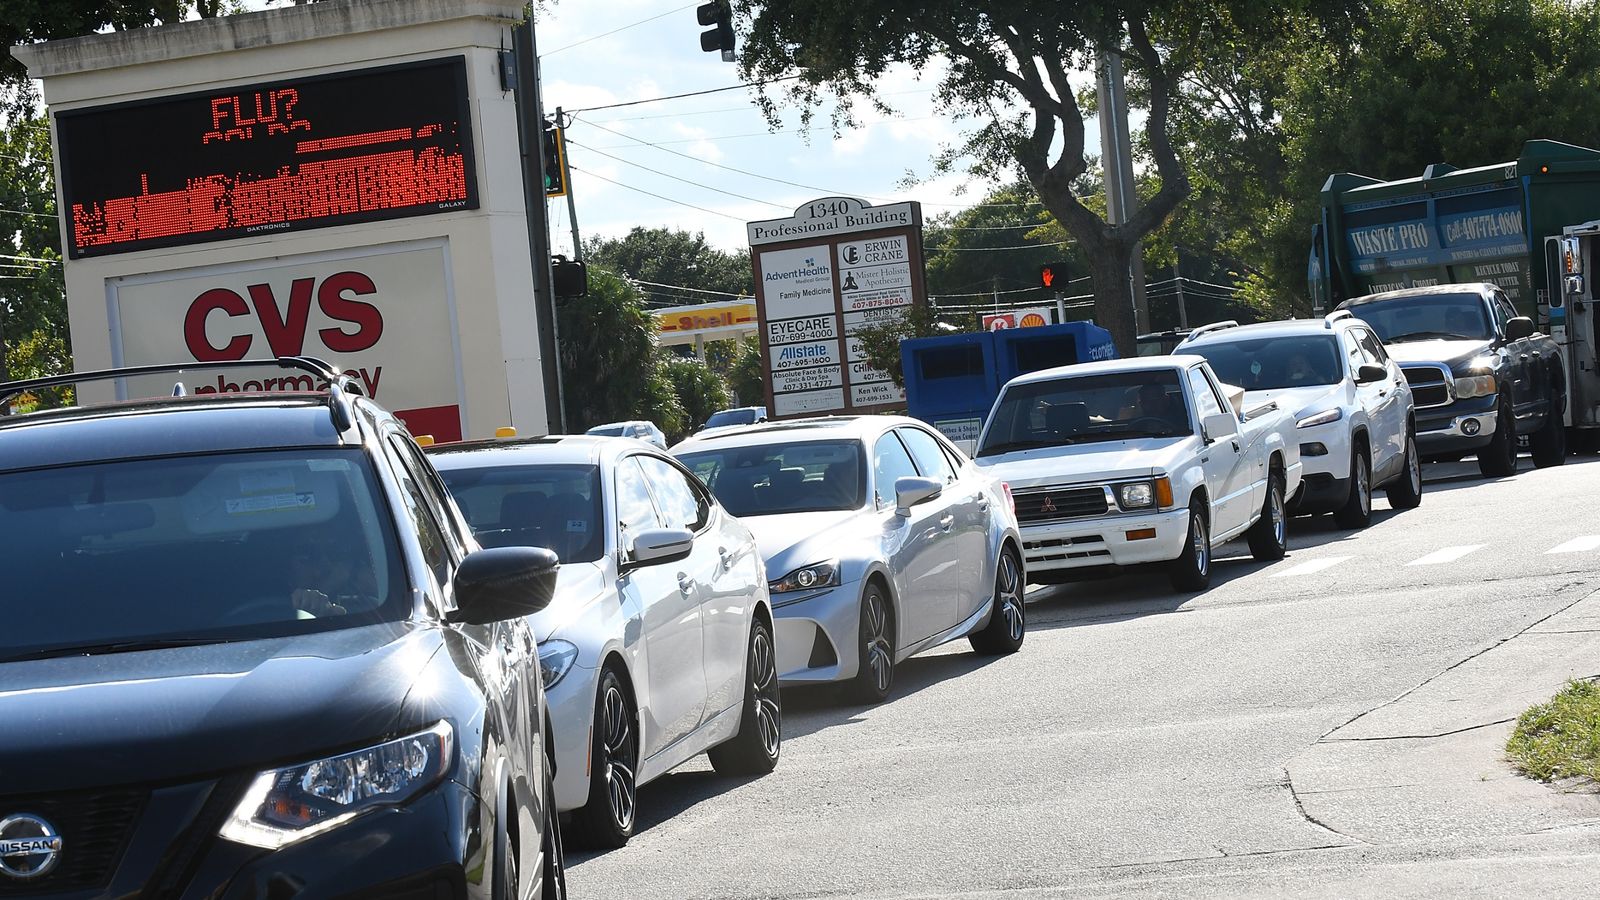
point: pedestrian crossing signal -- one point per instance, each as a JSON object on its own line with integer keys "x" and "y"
{"x": 1053, "y": 275}
{"x": 555, "y": 162}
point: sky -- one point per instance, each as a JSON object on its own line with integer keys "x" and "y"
{"x": 595, "y": 54}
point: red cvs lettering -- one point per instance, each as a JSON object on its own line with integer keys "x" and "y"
{"x": 285, "y": 329}
{"x": 241, "y": 115}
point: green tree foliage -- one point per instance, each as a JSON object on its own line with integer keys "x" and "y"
{"x": 1012, "y": 64}
{"x": 881, "y": 343}
{"x": 675, "y": 257}
{"x": 609, "y": 367}
{"x": 33, "y": 306}
{"x": 747, "y": 376}
{"x": 699, "y": 391}
{"x": 962, "y": 258}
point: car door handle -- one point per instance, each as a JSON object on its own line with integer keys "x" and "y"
{"x": 981, "y": 500}
{"x": 1236, "y": 446}
{"x": 947, "y": 522}
{"x": 725, "y": 557}
{"x": 685, "y": 583}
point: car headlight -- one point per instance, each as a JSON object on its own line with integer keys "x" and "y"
{"x": 1139, "y": 495}
{"x": 1469, "y": 386}
{"x": 1321, "y": 418}
{"x": 555, "y": 659}
{"x": 808, "y": 578}
{"x": 288, "y": 805}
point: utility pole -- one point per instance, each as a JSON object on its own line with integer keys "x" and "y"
{"x": 566, "y": 179}
{"x": 530, "y": 128}
{"x": 1116, "y": 156}
{"x": 1177, "y": 278}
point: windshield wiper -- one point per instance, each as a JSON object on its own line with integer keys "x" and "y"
{"x": 112, "y": 647}
{"x": 1429, "y": 336}
{"x": 1008, "y": 446}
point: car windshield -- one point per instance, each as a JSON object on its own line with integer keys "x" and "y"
{"x": 808, "y": 476}
{"x": 731, "y": 417}
{"x": 1426, "y": 317}
{"x": 554, "y": 507}
{"x": 197, "y": 549}
{"x": 1087, "y": 408}
{"x": 1270, "y": 363}
{"x": 609, "y": 430}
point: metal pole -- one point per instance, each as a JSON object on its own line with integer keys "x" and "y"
{"x": 566, "y": 179}
{"x": 1177, "y": 273}
{"x": 530, "y": 127}
{"x": 1061, "y": 309}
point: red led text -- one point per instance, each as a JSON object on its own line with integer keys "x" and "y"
{"x": 236, "y": 117}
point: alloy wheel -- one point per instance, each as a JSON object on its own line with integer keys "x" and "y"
{"x": 1010, "y": 590}
{"x": 1280, "y": 522}
{"x": 1202, "y": 547}
{"x": 879, "y": 653}
{"x": 764, "y": 685}
{"x": 1364, "y": 487}
{"x": 622, "y": 754}
{"x": 1413, "y": 466}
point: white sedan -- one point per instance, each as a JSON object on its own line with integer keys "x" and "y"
{"x": 658, "y": 645}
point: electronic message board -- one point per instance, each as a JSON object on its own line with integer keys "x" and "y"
{"x": 355, "y": 146}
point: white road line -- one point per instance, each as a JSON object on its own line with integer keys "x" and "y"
{"x": 1448, "y": 554}
{"x": 1578, "y": 545}
{"x": 1316, "y": 565}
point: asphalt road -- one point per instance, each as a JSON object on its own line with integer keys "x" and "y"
{"x": 1328, "y": 725}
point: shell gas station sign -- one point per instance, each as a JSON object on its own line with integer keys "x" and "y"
{"x": 698, "y": 323}
{"x": 1021, "y": 318}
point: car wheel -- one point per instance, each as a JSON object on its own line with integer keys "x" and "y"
{"x": 1008, "y": 620}
{"x": 1499, "y": 459}
{"x": 607, "y": 819}
{"x": 1549, "y": 444}
{"x": 1269, "y": 536}
{"x": 1406, "y": 491}
{"x": 755, "y": 749}
{"x": 875, "y": 675}
{"x": 505, "y": 874}
{"x": 1357, "y": 510}
{"x": 555, "y": 861}
{"x": 1191, "y": 571}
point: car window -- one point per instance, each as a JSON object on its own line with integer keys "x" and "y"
{"x": 890, "y": 463}
{"x": 1352, "y": 351}
{"x": 1371, "y": 348}
{"x": 435, "y": 548}
{"x": 799, "y": 476}
{"x": 925, "y": 451}
{"x": 1087, "y": 408}
{"x": 1426, "y": 317}
{"x": 1278, "y": 361}
{"x": 1504, "y": 311}
{"x": 435, "y": 492}
{"x": 682, "y": 506}
{"x": 1205, "y": 396}
{"x": 635, "y": 511}
{"x": 556, "y": 507}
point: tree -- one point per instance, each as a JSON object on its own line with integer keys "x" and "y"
{"x": 672, "y": 256}
{"x": 609, "y": 368}
{"x": 970, "y": 251}
{"x": 1013, "y": 65}
{"x": 699, "y": 391}
{"x": 747, "y": 375}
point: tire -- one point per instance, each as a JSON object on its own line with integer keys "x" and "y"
{"x": 1549, "y": 444}
{"x": 505, "y": 884}
{"x": 1405, "y": 492}
{"x": 1357, "y": 510}
{"x": 759, "y": 743}
{"x": 1269, "y": 536}
{"x": 554, "y": 872}
{"x": 607, "y": 820}
{"x": 1191, "y": 571}
{"x": 1008, "y": 619}
{"x": 1499, "y": 459}
{"x": 875, "y": 674}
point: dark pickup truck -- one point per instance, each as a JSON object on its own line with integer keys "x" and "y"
{"x": 1480, "y": 373}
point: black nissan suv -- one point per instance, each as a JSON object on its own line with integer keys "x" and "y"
{"x": 251, "y": 650}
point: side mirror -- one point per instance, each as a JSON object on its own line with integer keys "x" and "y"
{"x": 1368, "y": 373}
{"x": 1518, "y": 328}
{"x": 911, "y": 490}
{"x": 503, "y": 583}
{"x": 658, "y": 545}
{"x": 1218, "y": 426}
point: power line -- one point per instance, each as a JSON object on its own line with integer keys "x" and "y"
{"x": 657, "y": 196}
{"x": 676, "y": 178}
{"x": 614, "y": 31}
{"x": 986, "y": 249}
{"x": 750, "y": 134}
{"x": 685, "y": 288}
{"x": 723, "y": 109}
{"x": 731, "y": 87}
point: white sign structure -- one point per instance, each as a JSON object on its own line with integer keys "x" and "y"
{"x": 837, "y": 266}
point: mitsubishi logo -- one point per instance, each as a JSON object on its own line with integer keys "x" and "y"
{"x": 29, "y": 846}
{"x": 1048, "y": 506}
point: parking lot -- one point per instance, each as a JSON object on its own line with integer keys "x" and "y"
{"x": 1330, "y": 724}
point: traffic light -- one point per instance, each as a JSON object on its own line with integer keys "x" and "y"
{"x": 1053, "y": 275}
{"x": 717, "y": 13}
{"x": 555, "y": 169}
{"x": 569, "y": 278}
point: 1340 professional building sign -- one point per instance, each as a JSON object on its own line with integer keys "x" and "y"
{"x": 834, "y": 268}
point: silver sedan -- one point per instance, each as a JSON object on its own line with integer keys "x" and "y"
{"x": 658, "y": 645}
{"x": 881, "y": 540}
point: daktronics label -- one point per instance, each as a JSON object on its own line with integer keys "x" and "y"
{"x": 807, "y": 379}
{"x": 797, "y": 356}
{"x": 383, "y": 317}
{"x": 814, "y": 328}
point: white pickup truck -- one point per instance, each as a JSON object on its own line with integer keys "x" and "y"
{"x": 1139, "y": 461}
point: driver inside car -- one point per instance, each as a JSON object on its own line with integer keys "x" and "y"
{"x": 329, "y": 576}
{"x": 1155, "y": 403}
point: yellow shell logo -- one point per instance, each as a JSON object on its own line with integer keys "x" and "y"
{"x": 1032, "y": 320}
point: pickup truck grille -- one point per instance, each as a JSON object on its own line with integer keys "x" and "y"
{"x": 1430, "y": 384}
{"x": 1054, "y": 504}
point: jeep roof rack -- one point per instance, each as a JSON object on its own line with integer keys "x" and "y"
{"x": 1336, "y": 315}
{"x": 340, "y": 386}
{"x": 1207, "y": 329}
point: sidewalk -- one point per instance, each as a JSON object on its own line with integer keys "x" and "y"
{"x": 1431, "y": 764}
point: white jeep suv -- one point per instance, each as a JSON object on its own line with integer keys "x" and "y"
{"x": 1353, "y": 408}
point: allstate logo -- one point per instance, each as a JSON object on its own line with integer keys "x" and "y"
{"x": 29, "y": 846}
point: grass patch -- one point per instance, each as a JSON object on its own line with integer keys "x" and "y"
{"x": 1561, "y": 738}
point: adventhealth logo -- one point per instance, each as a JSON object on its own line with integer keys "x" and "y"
{"x": 810, "y": 269}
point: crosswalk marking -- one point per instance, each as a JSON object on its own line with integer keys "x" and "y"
{"x": 1578, "y": 545}
{"x": 1316, "y": 565}
{"x": 1448, "y": 554}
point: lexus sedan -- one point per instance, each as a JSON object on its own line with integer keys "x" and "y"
{"x": 881, "y": 540}
{"x": 658, "y": 645}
